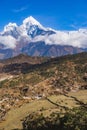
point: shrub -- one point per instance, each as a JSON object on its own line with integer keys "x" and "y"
{"x": 75, "y": 119}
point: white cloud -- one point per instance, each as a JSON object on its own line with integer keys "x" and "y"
{"x": 72, "y": 38}
{"x": 8, "y": 41}
{"x": 74, "y": 26}
{"x": 20, "y": 9}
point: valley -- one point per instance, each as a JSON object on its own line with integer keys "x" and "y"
{"x": 43, "y": 65}
{"x": 43, "y": 85}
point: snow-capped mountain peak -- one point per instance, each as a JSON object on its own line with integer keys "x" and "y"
{"x": 31, "y": 21}
{"x": 32, "y": 27}
{"x": 10, "y": 27}
{"x": 32, "y": 31}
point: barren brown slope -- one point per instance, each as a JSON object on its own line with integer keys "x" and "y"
{"x": 24, "y": 58}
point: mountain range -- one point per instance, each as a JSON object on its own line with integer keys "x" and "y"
{"x": 36, "y": 40}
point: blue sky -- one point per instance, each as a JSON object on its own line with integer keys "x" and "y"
{"x": 57, "y": 14}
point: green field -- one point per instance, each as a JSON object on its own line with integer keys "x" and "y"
{"x": 15, "y": 116}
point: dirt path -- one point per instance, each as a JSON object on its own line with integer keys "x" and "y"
{"x": 4, "y": 77}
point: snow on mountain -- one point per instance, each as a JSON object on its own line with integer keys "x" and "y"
{"x": 11, "y": 30}
{"x": 32, "y": 31}
{"x": 10, "y": 27}
{"x": 31, "y": 21}
{"x": 33, "y": 28}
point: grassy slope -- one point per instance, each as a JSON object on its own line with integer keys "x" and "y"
{"x": 15, "y": 116}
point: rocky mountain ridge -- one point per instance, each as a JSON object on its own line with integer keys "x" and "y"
{"x": 36, "y": 40}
